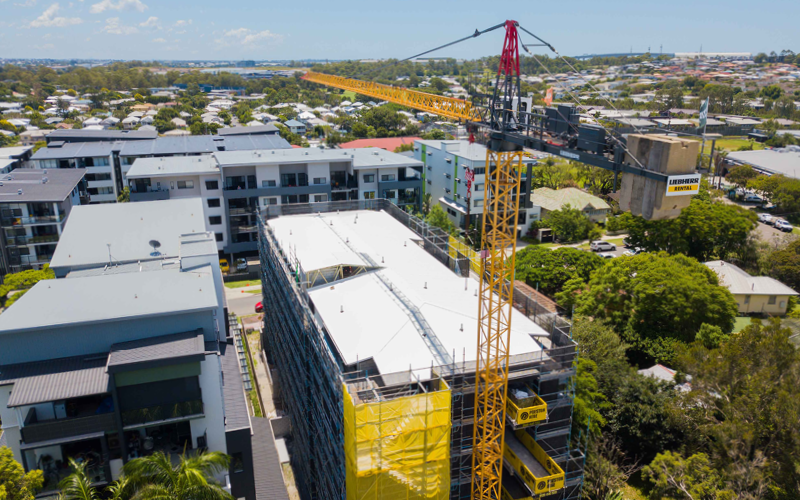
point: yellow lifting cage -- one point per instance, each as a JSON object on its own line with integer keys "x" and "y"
{"x": 457, "y": 247}
{"x": 398, "y": 449}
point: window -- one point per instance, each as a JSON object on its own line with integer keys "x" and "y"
{"x": 429, "y": 182}
{"x": 303, "y": 198}
{"x": 448, "y": 190}
{"x": 269, "y": 201}
{"x": 185, "y": 184}
{"x": 320, "y": 197}
{"x": 218, "y": 236}
{"x": 772, "y": 300}
{"x": 448, "y": 176}
{"x": 387, "y": 177}
{"x": 369, "y": 177}
{"x": 212, "y": 185}
{"x": 320, "y": 180}
{"x": 288, "y": 198}
{"x": 369, "y": 195}
{"x": 390, "y": 194}
{"x": 429, "y": 167}
{"x": 449, "y": 160}
{"x": 213, "y": 202}
{"x": 478, "y": 187}
{"x": 479, "y": 170}
{"x": 237, "y": 463}
{"x": 477, "y": 203}
{"x": 746, "y": 299}
{"x": 268, "y": 184}
{"x": 215, "y": 220}
{"x": 288, "y": 180}
{"x": 451, "y": 212}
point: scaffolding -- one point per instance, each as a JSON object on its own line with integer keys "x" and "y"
{"x": 318, "y": 390}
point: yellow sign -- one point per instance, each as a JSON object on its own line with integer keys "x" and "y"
{"x": 683, "y": 185}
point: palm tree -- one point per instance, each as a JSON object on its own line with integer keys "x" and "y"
{"x": 77, "y": 486}
{"x": 155, "y": 478}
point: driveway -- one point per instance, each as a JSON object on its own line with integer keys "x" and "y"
{"x": 769, "y": 234}
{"x": 243, "y": 304}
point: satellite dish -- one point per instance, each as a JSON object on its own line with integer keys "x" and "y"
{"x": 156, "y": 245}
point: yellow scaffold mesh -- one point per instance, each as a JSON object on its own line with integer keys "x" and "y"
{"x": 398, "y": 449}
{"x": 457, "y": 247}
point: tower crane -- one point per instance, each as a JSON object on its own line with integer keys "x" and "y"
{"x": 505, "y": 127}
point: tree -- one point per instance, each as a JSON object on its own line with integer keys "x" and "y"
{"x": 784, "y": 106}
{"x": 711, "y": 336}
{"x": 741, "y": 174}
{"x": 125, "y": 195}
{"x": 155, "y": 478}
{"x": 548, "y": 270}
{"x": 15, "y": 484}
{"x": 38, "y": 145}
{"x": 657, "y": 301}
{"x": 434, "y": 135}
{"x": 22, "y": 282}
{"x": 771, "y": 92}
{"x": 588, "y": 399}
{"x": 437, "y": 217}
{"x": 569, "y": 224}
{"x": 674, "y": 477}
{"x": 78, "y": 485}
{"x": 784, "y": 265}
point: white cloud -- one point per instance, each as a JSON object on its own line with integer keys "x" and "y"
{"x": 48, "y": 19}
{"x": 120, "y": 5}
{"x": 159, "y": 40}
{"x": 46, "y": 46}
{"x": 114, "y": 27}
{"x": 152, "y": 22}
{"x": 26, "y": 3}
{"x": 248, "y": 38}
{"x": 183, "y": 22}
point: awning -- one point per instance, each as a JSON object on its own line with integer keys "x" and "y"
{"x": 54, "y": 442}
{"x": 53, "y": 380}
{"x": 453, "y": 205}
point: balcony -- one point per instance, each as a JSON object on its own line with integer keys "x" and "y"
{"x": 242, "y": 211}
{"x": 150, "y": 195}
{"x": 525, "y": 410}
{"x": 162, "y": 413}
{"x": 244, "y": 229}
{"x": 34, "y": 219}
{"x": 13, "y": 241}
{"x": 532, "y": 464}
{"x": 343, "y": 182}
{"x": 36, "y": 431}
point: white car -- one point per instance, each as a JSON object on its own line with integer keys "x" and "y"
{"x": 753, "y": 198}
{"x": 633, "y": 251}
{"x": 602, "y": 246}
{"x": 784, "y": 226}
{"x": 766, "y": 219}
{"x": 606, "y": 255}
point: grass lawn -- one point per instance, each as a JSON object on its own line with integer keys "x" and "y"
{"x": 740, "y": 323}
{"x": 733, "y": 143}
{"x": 240, "y": 284}
{"x": 349, "y": 95}
{"x": 253, "y": 291}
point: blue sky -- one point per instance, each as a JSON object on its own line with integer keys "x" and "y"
{"x": 355, "y": 29}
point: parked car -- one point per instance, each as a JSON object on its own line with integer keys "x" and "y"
{"x": 627, "y": 242}
{"x": 766, "y": 219}
{"x": 753, "y": 198}
{"x": 602, "y": 246}
{"x": 223, "y": 265}
{"x": 784, "y": 226}
{"x": 259, "y": 307}
{"x": 241, "y": 264}
{"x": 606, "y": 255}
{"x": 633, "y": 251}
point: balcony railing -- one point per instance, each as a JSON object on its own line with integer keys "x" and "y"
{"x": 242, "y": 211}
{"x": 36, "y": 431}
{"x": 36, "y": 219}
{"x": 162, "y": 412}
{"x": 244, "y": 229}
{"x": 31, "y": 240}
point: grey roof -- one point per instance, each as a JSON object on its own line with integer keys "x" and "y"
{"x": 199, "y": 144}
{"x": 360, "y": 157}
{"x": 171, "y": 166}
{"x": 55, "y": 379}
{"x": 80, "y": 135}
{"x": 462, "y": 149}
{"x": 128, "y": 228}
{"x": 236, "y": 414}
{"x": 14, "y": 152}
{"x": 77, "y": 301}
{"x": 130, "y": 267}
{"x": 772, "y": 161}
{"x": 60, "y": 184}
{"x": 64, "y": 150}
{"x": 172, "y": 347}
{"x": 741, "y": 283}
{"x": 258, "y": 129}
{"x": 294, "y": 123}
{"x": 266, "y": 463}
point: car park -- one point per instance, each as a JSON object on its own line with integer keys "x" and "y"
{"x": 602, "y": 246}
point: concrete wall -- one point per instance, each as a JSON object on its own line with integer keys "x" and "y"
{"x": 213, "y": 424}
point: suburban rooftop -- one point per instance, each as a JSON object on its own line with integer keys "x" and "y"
{"x": 25, "y": 185}
{"x": 361, "y": 158}
{"x": 178, "y": 165}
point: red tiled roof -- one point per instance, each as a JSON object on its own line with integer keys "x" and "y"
{"x": 387, "y": 143}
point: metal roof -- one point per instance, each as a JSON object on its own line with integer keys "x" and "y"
{"x": 266, "y": 463}
{"x": 741, "y": 283}
{"x": 28, "y": 184}
{"x": 236, "y": 414}
{"x": 127, "y": 230}
{"x": 14, "y": 152}
{"x": 199, "y": 144}
{"x": 80, "y": 135}
{"x": 145, "y": 351}
{"x": 360, "y": 158}
{"x": 55, "y": 379}
{"x": 97, "y": 299}
{"x": 256, "y": 129}
{"x": 171, "y": 166}
{"x": 63, "y": 151}
{"x": 772, "y": 161}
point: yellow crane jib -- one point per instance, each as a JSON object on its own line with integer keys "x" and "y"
{"x": 457, "y": 109}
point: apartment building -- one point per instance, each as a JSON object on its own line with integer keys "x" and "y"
{"x": 134, "y": 354}
{"x": 235, "y": 184}
{"x": 108, "y": 155}
{"x": 446, "y": 166}
{"x": 34, "y": 207}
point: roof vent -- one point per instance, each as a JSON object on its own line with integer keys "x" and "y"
{"x": 44, "y": 180}
{"x": 19, "y": 191}
{"x": 44, "y": 172}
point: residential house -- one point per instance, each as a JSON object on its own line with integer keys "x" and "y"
{"x": 296, "y": 127}
{"x": 753, "y": 294}
{"x": 594, "y": 208}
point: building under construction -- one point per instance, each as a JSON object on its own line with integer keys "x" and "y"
{"x": 371, "y": 321}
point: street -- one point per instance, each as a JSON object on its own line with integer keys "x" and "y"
{"x": 242, "y": 304}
